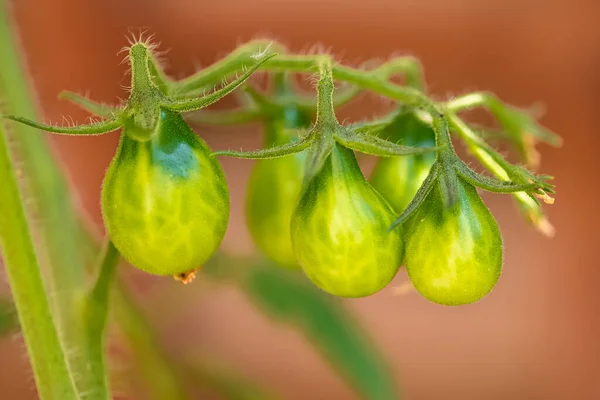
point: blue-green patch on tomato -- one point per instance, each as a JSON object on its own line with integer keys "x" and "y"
{"x": 165, "y": 201}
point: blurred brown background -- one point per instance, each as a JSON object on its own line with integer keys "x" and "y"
{"x": 535, "y": 337}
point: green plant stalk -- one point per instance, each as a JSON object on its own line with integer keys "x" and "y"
{"x": 215, "y": 73}
{"x": 58, "y": 240}
{"x": 374, "y": 80}
{"x": 95, "y": 312}
{"x": 47, "y": 356}
{"x": 244, "y": 54}
{"x": 43, "y": 176}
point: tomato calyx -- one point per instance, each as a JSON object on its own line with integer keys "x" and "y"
{"x": 449, "y": 168}
{"x": 141, "y": 112}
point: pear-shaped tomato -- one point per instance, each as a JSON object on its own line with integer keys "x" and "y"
{"x": 273, "y": 192}
{"x": 397, "y": 179}
{"x": 453, "y": 256}
{"x": 340, "y": 230}
{"x": 165, "y": 201}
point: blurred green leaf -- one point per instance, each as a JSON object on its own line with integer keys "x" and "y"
{"x": 165, "y": 376}
{"x": 323, "y": 319}
{"x": 223, "y": 381}
{"x": 155, "y": 367}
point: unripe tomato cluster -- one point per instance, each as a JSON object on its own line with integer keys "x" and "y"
{"x": 165, "y": 201}
{"x": 166, "y": 206}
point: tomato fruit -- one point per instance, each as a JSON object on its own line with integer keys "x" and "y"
{"x": 340, "y": 230}
{"x": 273, "y": 192}
{"x": 453, "y": 256}
{"x": 165, "y": 201}
{"x": 397, "y": 179}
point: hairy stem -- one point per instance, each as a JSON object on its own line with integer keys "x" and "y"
{"x": 47, "y": 356}
{"x": 54, "y": 212}
{"x": 215, "y": 73}
{"x": 325, "y": 88}
{"x": 95, "y": 312}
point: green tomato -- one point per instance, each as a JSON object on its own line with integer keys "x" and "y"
{"x": 273, "y": 193}
{"x": 340, "y": 231}
{"x": 397, "y": 179}
{"x": 453, "y": 256}
{"x": 165, "y": 201}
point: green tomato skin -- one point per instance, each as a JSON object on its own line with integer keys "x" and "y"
{"x": 453, "y": 256}
{"x": 273, "y": 192}
{"x": 397, "y": 179}
{"x": 272, "y": 195}
{"x": 340, "y": 231}
{"x": 165, "y": 201}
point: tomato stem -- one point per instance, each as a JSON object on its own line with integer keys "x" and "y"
{"x": 141, "y": 80}
{"x": 325, "y": 87}
{"x": 95, "y": 315}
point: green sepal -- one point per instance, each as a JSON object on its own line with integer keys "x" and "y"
{"x": 271, "y": 152}
{"x": 448, "y": 183}
{"x": 488, "y": 183}
{"x": 373, "y": 145}
{"x": 316, "y": 156}
{"x": 91, "y": 106}
{"x": 419, "y": 197}
{"x": 196, "y": 104}
{"x": 96, "y": 128}
{"x": 520, "y": 174}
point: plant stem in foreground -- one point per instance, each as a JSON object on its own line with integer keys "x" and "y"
{"x": 45, "y": 352}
